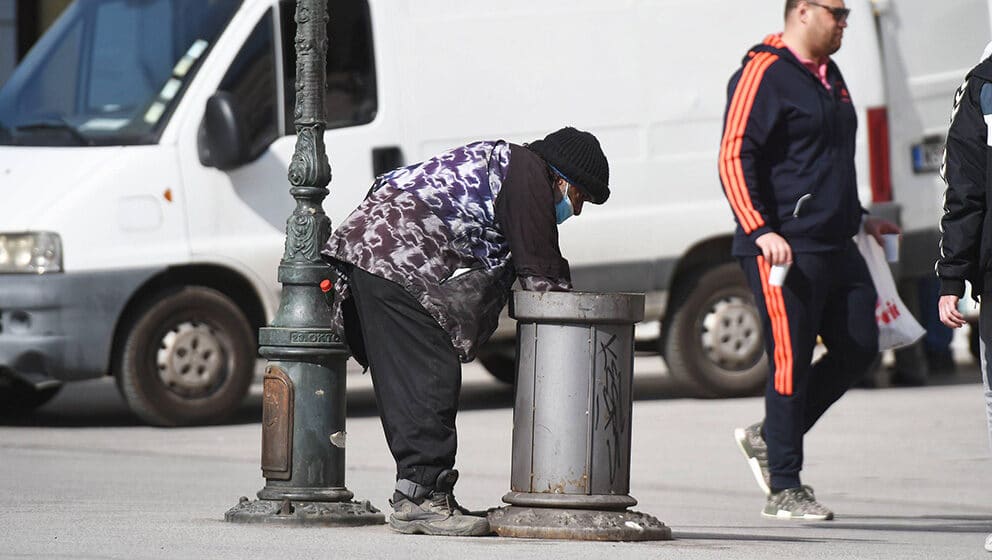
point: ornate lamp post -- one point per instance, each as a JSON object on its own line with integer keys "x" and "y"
{"x": 303, "y": 420}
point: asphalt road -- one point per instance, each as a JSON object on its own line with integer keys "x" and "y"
{"x": 906, "y": 470}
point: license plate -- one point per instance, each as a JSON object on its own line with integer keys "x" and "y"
{"x": 927, "y": 156}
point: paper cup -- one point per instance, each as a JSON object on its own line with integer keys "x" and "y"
{"x": 777, "y": 276}
{"x": 891, "y": 245}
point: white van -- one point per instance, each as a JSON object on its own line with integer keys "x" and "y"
{"x": 134, "y": 243}
{"x": 927, "y": 56}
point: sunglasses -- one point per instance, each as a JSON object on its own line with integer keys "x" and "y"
{"x": 840, "y": 14}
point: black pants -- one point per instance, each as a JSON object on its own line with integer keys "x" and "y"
{"x": 985, "y": 351}
{"x": 415, "y": 372}
{"x": 827, "y": 294}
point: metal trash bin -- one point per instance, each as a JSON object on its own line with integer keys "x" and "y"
{"x": 572, "y": 420}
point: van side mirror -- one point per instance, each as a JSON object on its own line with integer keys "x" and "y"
{"x": 221, "y": 140}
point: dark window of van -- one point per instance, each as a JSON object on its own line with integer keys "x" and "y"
{"x": 251, "y": 79}
{"x": 109, "y": 72}
{"x": 350, "y": 98}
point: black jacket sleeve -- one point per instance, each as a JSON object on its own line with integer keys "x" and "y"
{"x": 525, "y": 210}
{"x": 964, "y": 172}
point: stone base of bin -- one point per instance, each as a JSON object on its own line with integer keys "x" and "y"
{"x": 577, "y": 524}
{"x": 304, "y": 514}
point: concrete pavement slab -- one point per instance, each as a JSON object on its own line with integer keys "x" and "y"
{"x": 906, "y": 470}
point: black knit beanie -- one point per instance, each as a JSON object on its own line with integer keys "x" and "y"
{"x": 577, "y": 155}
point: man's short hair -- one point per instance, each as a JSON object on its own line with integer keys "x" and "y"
{"x": 791, "y": 5}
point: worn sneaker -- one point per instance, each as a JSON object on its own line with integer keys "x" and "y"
{"x": 437, "y": 514}
{"x": 433, "y": 510}
{"x": 796, "y": 503}
{"x": 753, "y": 447}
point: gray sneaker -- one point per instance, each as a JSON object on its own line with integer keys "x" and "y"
{"x": 755, "y": 449}
{"x": 437, "y": 514}
{"x": 796, "y": 503}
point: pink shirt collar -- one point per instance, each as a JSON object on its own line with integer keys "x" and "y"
{"x": 819, "y": 69}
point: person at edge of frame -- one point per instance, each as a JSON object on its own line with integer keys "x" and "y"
{"x": 426, "y": 263}
{"x": 965, "y": 243}
{"x": 787, "y": 169}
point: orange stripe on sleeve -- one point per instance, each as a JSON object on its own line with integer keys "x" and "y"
{"x": 740, "y": 109}
{"x": 738, "y": 203}
{"x": 781, "y": 337}
{"x": 738, "y": 169}
{"x": 731, "y": 170}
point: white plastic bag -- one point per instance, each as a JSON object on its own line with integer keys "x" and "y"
{"x": 896, "y": 325}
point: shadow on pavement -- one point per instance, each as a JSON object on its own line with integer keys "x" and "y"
{"x": 85, "y": 404}
{"x": 688, "y": 535}
{"x": 916, "y": 524}
{"x": 97, "y": 403}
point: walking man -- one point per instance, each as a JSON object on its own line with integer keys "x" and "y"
{"x": 787, "y": 168}
{"x": 965, "y": 243}
{"x": 427, "y": 261}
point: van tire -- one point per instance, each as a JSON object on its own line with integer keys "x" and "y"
{"x": 188, "y": 358}
{"x": 735, "y": 365}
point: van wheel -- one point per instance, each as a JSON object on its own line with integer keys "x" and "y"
{"x": 712, "y": 340}
{"x": 189, "y": 358}
{"x": 18, "y": 397}
{"x": 500, "y": 359}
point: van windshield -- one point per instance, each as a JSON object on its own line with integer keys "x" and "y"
{"x": 109, "y": 72}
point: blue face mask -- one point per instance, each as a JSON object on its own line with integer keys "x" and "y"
{"x": 563, "y": 210}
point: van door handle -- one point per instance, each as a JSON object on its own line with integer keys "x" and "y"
{"x": 385, "y": 159}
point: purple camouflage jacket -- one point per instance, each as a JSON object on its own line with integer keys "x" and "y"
{"x": 432, "y": 228}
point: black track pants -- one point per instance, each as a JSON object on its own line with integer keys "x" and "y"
{"x": 827, "y": 294}
{"x": 985, "y": 353}
{"x": 415, "y": 372}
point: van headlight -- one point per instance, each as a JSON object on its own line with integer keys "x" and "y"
{"x": 30, "y": 253}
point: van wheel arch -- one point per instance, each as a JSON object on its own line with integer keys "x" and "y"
{"x": 219, "y": 291}
{"x": 701, "y": 296}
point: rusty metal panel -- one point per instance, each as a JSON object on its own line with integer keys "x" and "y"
{"x": 277, "y": 424}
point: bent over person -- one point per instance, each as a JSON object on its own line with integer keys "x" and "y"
{"x": 787, "y": 168}
{"x": 427, "y": 262}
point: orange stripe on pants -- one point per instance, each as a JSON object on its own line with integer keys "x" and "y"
{"x": 781, "y": 337}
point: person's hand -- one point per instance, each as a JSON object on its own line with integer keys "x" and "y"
{"x": 774, "y": 248}
{"x": 949, "y": 314}
{"x": 877, "y": 227}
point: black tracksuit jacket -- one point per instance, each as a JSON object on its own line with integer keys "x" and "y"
{"x": 966, "y": 227}
{"x": 784, "y": 140}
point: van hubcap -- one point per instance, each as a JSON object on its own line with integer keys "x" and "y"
{"x": 190, "y": 358}
{"x": 731, "y": 334}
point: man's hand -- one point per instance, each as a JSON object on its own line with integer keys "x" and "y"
{"x": 949, "y": 314}
{"x": 774, "y": 248}
{"x": 877, "y": 227}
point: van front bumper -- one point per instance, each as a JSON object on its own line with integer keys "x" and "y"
{"x": 60, "y": 327}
